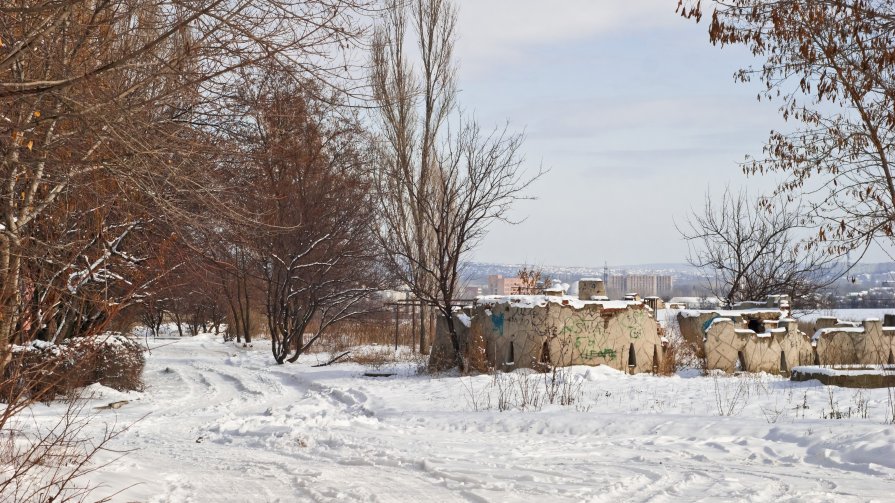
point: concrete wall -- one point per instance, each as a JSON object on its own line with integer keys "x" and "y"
{"x": 511, "y": 336}
{"x": 591, "y": 287}
{"x": 441, "y": 354}
{"x": 778, "y": 349}
{"x": 869, "y": 344}
{"x": 522, "y": 337}
{"x": 729, "y": 347}
{"x": 694, "y": 324}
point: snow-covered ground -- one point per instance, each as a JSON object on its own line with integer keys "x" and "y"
{"x": 844, "y": 314}
{"x": 223, "y": 423}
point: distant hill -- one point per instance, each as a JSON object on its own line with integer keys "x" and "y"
{"x": 478, "y": 272}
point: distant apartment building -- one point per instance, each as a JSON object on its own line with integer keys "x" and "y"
{"x": 498, "y": 285}
{"x": 643, "y": 284}
{"x": 615, "y": 286}
{"x": 647, "y": 285}
{"x": 664, "y": 285}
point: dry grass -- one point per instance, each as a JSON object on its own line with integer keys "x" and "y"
{"x": 476, "y": 353}
{"x": 258, "y": 328}
{"x": 668, "y": 361}
{"x": 680, "y": 354}
{"x": 372, "y": 356}
{"x": 377, "y": 329}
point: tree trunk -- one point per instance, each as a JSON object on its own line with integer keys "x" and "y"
{"x": 424, "y": 343}
{"x": 179, "y": 323}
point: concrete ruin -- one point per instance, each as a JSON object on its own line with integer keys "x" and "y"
{"x": 525, "y": 331}
{"x": 776, "y": 349}
{"x": 694, "y": 324}
{"x": 762, "y": 339}
{"x": 867, "y": 343}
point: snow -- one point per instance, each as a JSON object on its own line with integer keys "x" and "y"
{"x": 842, "y": 314}
{"x": 464, "y": 319}
{"x": 532, "y": 301}
{"x": 728, "y": 313}
{"x": 224, "y": 423}
{"x": 846, "y": 370}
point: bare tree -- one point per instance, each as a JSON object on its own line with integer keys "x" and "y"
{"x": 477, "y": 180}
{"x": 829, "y": 65}
{"x": 316, "y": 253}
{"x": 115, "y": 101}
{"x": 437, "y": 191}
{"x": 413, "y": 107}
{"x": 534, "y": 280}
{"x": 748, "y": 250}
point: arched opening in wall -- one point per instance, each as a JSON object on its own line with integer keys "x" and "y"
{"x": 511, "y": 355}
{"x": 891, "y": 360}
{"x": 816, "y": 358}
{"x": 632, "y": 358}
{"x": 784, "y": 368}
{"x": 741, "y": 362}
{"x": 756, "y": 326}
{"x": 655, "y": 359}
{"x": 545, "y": 354}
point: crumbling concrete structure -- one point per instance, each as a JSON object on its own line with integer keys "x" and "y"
{"x": 869, "y": 343}
{"x": 591, "y": 289}
{"x": 762, "y": 339}
{"x": 776, "y": 349}
{"x": 524, "y": 331}
{"x": 694, "y": 324}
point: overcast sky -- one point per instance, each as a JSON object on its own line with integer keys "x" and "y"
{"x": 631, "y": 109}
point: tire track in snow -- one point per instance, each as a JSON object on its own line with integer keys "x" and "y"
{"x": 245, "y": 429}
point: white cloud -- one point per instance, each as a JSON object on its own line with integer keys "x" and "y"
{"x": 493, "y": 31}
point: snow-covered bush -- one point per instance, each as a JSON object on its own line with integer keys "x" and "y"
{"x": 43, "y": 370}
{"x": 111, "y": 360}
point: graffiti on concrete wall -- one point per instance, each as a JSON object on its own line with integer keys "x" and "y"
{"x": 633, "y": 323}
{"x": 497, "y": 322}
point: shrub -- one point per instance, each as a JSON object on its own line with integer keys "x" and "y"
{"x": 111, "y": 360}
{"x": 679, "y": 354}
{"x": 44, "y": 371}
{"x": 476, "y": 353}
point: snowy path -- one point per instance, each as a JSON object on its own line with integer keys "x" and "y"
{"x": 224, "y": 424}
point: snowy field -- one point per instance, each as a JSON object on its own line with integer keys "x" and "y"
{"x": 225, "y": 424}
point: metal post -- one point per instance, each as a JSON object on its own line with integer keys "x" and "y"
{"x": 431, "y": 327}
{"x": 396, "y": 325}
{"x": 413, "y": 335}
